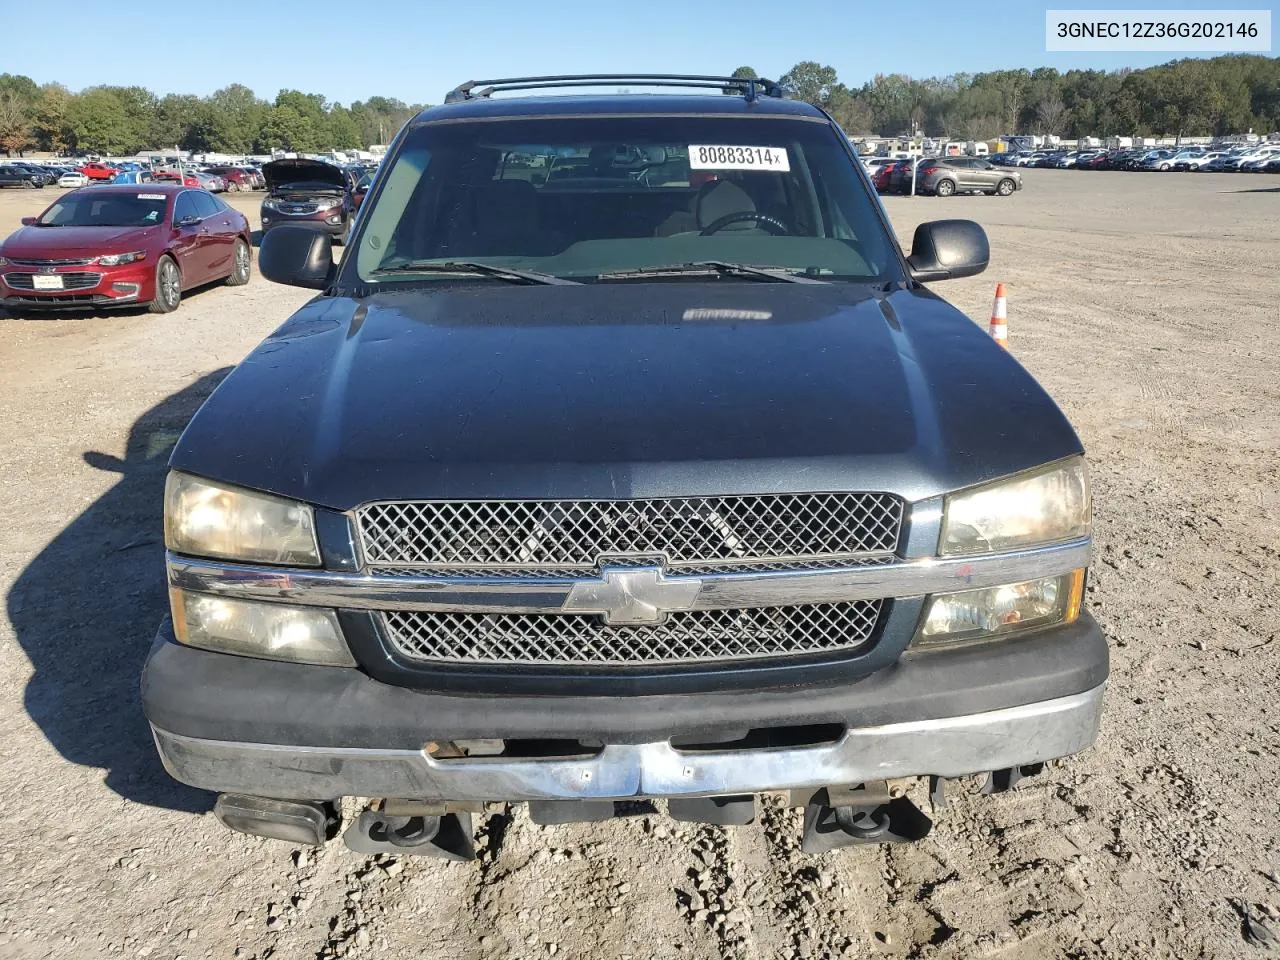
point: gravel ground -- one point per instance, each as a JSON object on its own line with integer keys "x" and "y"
{"x": 1145, "y": 303}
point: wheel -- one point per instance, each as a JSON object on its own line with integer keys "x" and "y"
{"x": 1005, "y": 187}
{"x": 168, "y": 287}
{"x": 241, "y": 265}
{"x": 1164, "y": 166}
{"x": 233, "y": 187}
{"x": 29, "y": 184}
{"x": 945, "y": 188}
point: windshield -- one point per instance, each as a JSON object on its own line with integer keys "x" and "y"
{"x": 581, "y": 197}
{"x": 105, "y": 210}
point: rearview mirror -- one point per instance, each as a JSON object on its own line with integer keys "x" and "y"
{"x": 28, "y": 221}
{"x": 297, "y": 256}
{"x": 946, "y": 249}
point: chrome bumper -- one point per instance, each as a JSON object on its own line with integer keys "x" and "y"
{"x": 948, "y": 747}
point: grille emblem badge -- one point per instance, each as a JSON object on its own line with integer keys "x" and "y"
{"x": 632, "y": 595}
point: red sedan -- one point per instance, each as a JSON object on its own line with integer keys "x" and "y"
{"x": 118, "y": 246}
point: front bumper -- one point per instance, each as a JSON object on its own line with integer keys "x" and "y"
{"x": 317, "y": 221}
{"x": 121, "y": 286}
{"x": 233, "y": 724}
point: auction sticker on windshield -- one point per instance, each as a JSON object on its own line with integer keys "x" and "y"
{"x": 151, "y": 196}
{"x": 737, "y": 157}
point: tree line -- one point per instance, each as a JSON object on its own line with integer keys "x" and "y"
{"x": 1228, "y": 94}
{"x": 1214, "y": 97}
{"x": 123, "y": 120}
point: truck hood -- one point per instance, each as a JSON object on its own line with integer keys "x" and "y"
{"x": 52, "y": 243}
{"x": 623, "y": 390}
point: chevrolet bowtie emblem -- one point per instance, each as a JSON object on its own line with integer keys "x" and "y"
{"x": 632, "y": 595}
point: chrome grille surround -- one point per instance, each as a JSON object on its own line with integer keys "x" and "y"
{"x": 74, "y": 262}
{"x": 689, "y": 636}
{"x": 70, "y": 281}
{"x": 573, "y": 538}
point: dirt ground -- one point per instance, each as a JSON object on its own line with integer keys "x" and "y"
{"x": 1147, "y": 305}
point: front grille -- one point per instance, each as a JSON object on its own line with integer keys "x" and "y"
{"x": 297, "y": 209}
{"x": 693, "y": 636}
{"x": 572, "y": 537}
{"x": 70, "y": 281}
{"x": 78, "y": 262}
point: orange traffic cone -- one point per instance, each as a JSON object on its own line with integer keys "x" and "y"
{"x": 1000, "y": 318}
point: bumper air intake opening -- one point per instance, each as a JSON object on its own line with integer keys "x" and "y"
{"x": 514, "y": 749}
{"x": 763, "y": 738}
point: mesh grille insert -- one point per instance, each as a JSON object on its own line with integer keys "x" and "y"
{"x": 570, "y": 537}
{"x": 693, "y": 636}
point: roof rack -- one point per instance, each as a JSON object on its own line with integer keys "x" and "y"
{"x": 751, "y": 87}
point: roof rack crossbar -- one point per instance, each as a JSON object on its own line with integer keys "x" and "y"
{"x": 751, "y": 87}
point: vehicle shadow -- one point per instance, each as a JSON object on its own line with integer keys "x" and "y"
{"x": 86, "y": 609}
{"x": 1255, "y": 190}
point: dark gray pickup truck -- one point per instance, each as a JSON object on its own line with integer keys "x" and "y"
{"x": 623, "y": 456}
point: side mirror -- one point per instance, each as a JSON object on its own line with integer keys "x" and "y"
{"x": 297, "y": 256}
{"x": 28, "y": 221}
{"x": 946, "y": 249}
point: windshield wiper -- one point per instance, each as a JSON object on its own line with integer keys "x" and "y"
{"x": 721, "y": 268}
{"x": 475, "y": 269}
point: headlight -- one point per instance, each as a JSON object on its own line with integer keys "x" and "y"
{"x": 327, "y": 204}
{"x": 275, "y": 631}
{"x": 206, "y": 520}
{"x": 3, "y": 262}
{"x": 1047, "y": 505}
{"x": 269, "y": 203}
{"x": 995, "y": 611}
{"x": 116, "y": 259}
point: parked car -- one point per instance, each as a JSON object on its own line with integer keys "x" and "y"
{"x": 1196, "y": 160}
{"x": 186, "y": 178}
{"x": 587, "y": 490}
{"x": 944, "y": 176}
{"x": 73, "y": 179}
{"x": 236, "y": 178}
{"x": 98, "y": 171}
{"x": 1156, "y": 160}
{"x": 11, "y": 176}
{"x": 119, "y": 246}
{"x": 900, "y": 175}
{"x": 881, "y": 174}
{"x": 310, "y": 192}
{"x": 1255, "y": 164}
{"x": 133, "y": 177}
{"x": 46, "y": 176}
{"x": 1272, "y": 166}
{"x": 361, "y": 188}
{"x": 210, "y": 181}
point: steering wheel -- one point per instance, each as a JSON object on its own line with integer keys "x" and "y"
{"x": 772, "y": 224}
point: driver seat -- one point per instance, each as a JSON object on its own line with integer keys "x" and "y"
{"x": 716, "y": 199}
{"x": 722, "y": 198}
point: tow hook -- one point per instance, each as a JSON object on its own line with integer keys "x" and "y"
{"x": 865, "y": 813}
{"x": 447, "y": 836}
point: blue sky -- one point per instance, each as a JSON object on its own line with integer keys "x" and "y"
{"x": 418, "y": 50}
